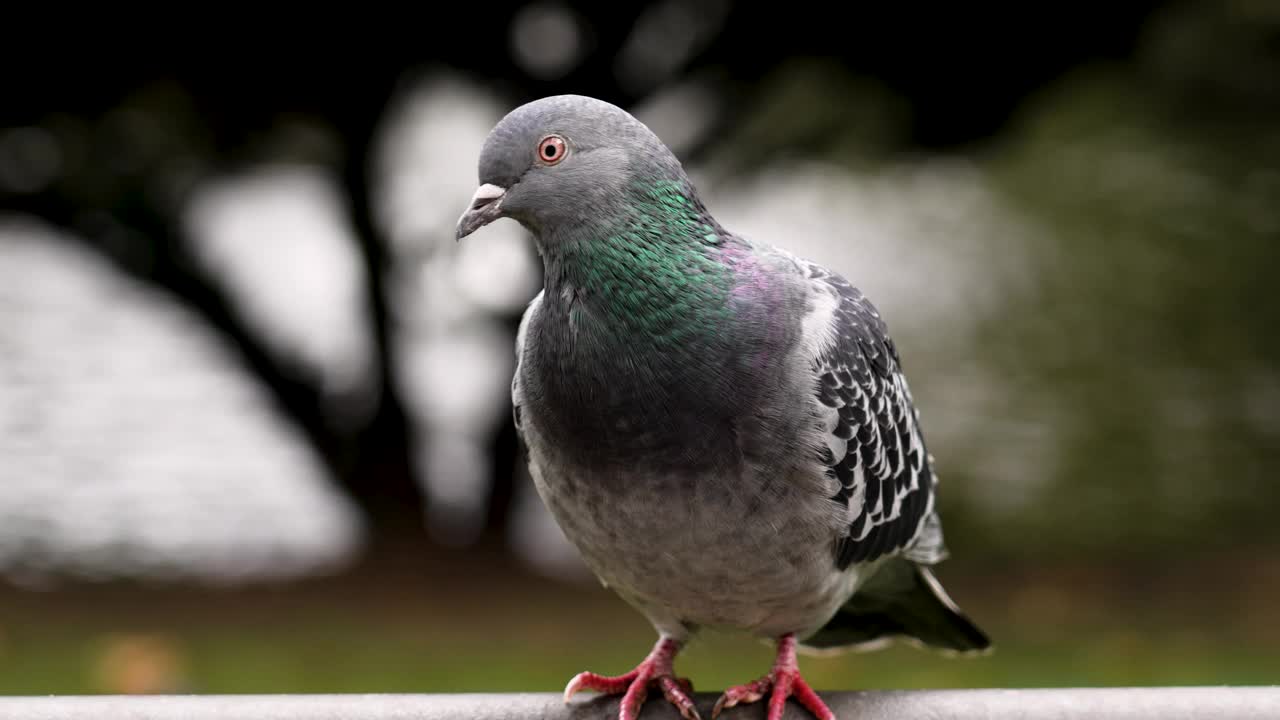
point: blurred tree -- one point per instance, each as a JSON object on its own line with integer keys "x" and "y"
{"x": 109, "y": 123}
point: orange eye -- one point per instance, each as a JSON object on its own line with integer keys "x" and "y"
{"x": 551, "y": 149}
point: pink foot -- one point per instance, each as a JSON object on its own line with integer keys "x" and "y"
{"x": 654, "y": 670}
{"x": 785, "y": 681}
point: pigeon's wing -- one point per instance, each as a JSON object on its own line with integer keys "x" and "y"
{"x": 874, "y": 447}
{"x": 517, "y": 397}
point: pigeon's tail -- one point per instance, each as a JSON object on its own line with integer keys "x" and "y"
{"x": 901, "y": 601}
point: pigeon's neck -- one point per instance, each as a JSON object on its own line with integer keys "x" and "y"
{"x": 633, "y": 352}
{"x": 654, "y": 267}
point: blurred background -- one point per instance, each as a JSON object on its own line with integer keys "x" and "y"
{"x": 255, "y": 432}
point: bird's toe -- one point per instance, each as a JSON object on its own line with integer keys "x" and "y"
{"x": 739, "y": 694}
{"x": 677, "y": 691}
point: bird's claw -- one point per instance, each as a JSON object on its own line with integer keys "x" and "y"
{"x": 677, "y": 691}
{"x": 599, "y": 683}
{"x": 782, "y": 682}
{"x": 634, "y": 687}
{"x": 749, "y": 693}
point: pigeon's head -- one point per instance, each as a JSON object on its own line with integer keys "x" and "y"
{"x": 554, "y": 162}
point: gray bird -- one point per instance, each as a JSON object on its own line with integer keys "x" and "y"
{"x": 722, "y": 429}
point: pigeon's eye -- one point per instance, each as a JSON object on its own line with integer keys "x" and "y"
{"x": 551, "y": 149}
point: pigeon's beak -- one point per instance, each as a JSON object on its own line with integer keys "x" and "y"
{"x": 486, "y": 206}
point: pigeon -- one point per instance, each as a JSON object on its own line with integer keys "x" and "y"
{"x": 721, "y": 428}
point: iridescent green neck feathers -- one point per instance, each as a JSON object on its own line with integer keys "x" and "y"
{"x": 654, "y": 268}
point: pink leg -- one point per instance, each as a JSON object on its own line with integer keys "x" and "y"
{"x": 656, "y": 669}
{"x": 785, "y": 681}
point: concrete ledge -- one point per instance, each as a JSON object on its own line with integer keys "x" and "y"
{"x": 1173, "y": 703}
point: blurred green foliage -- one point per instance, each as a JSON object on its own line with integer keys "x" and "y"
{"x": 1147, "y": 341}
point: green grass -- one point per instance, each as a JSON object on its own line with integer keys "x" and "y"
{"x": 528, "y": 635}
